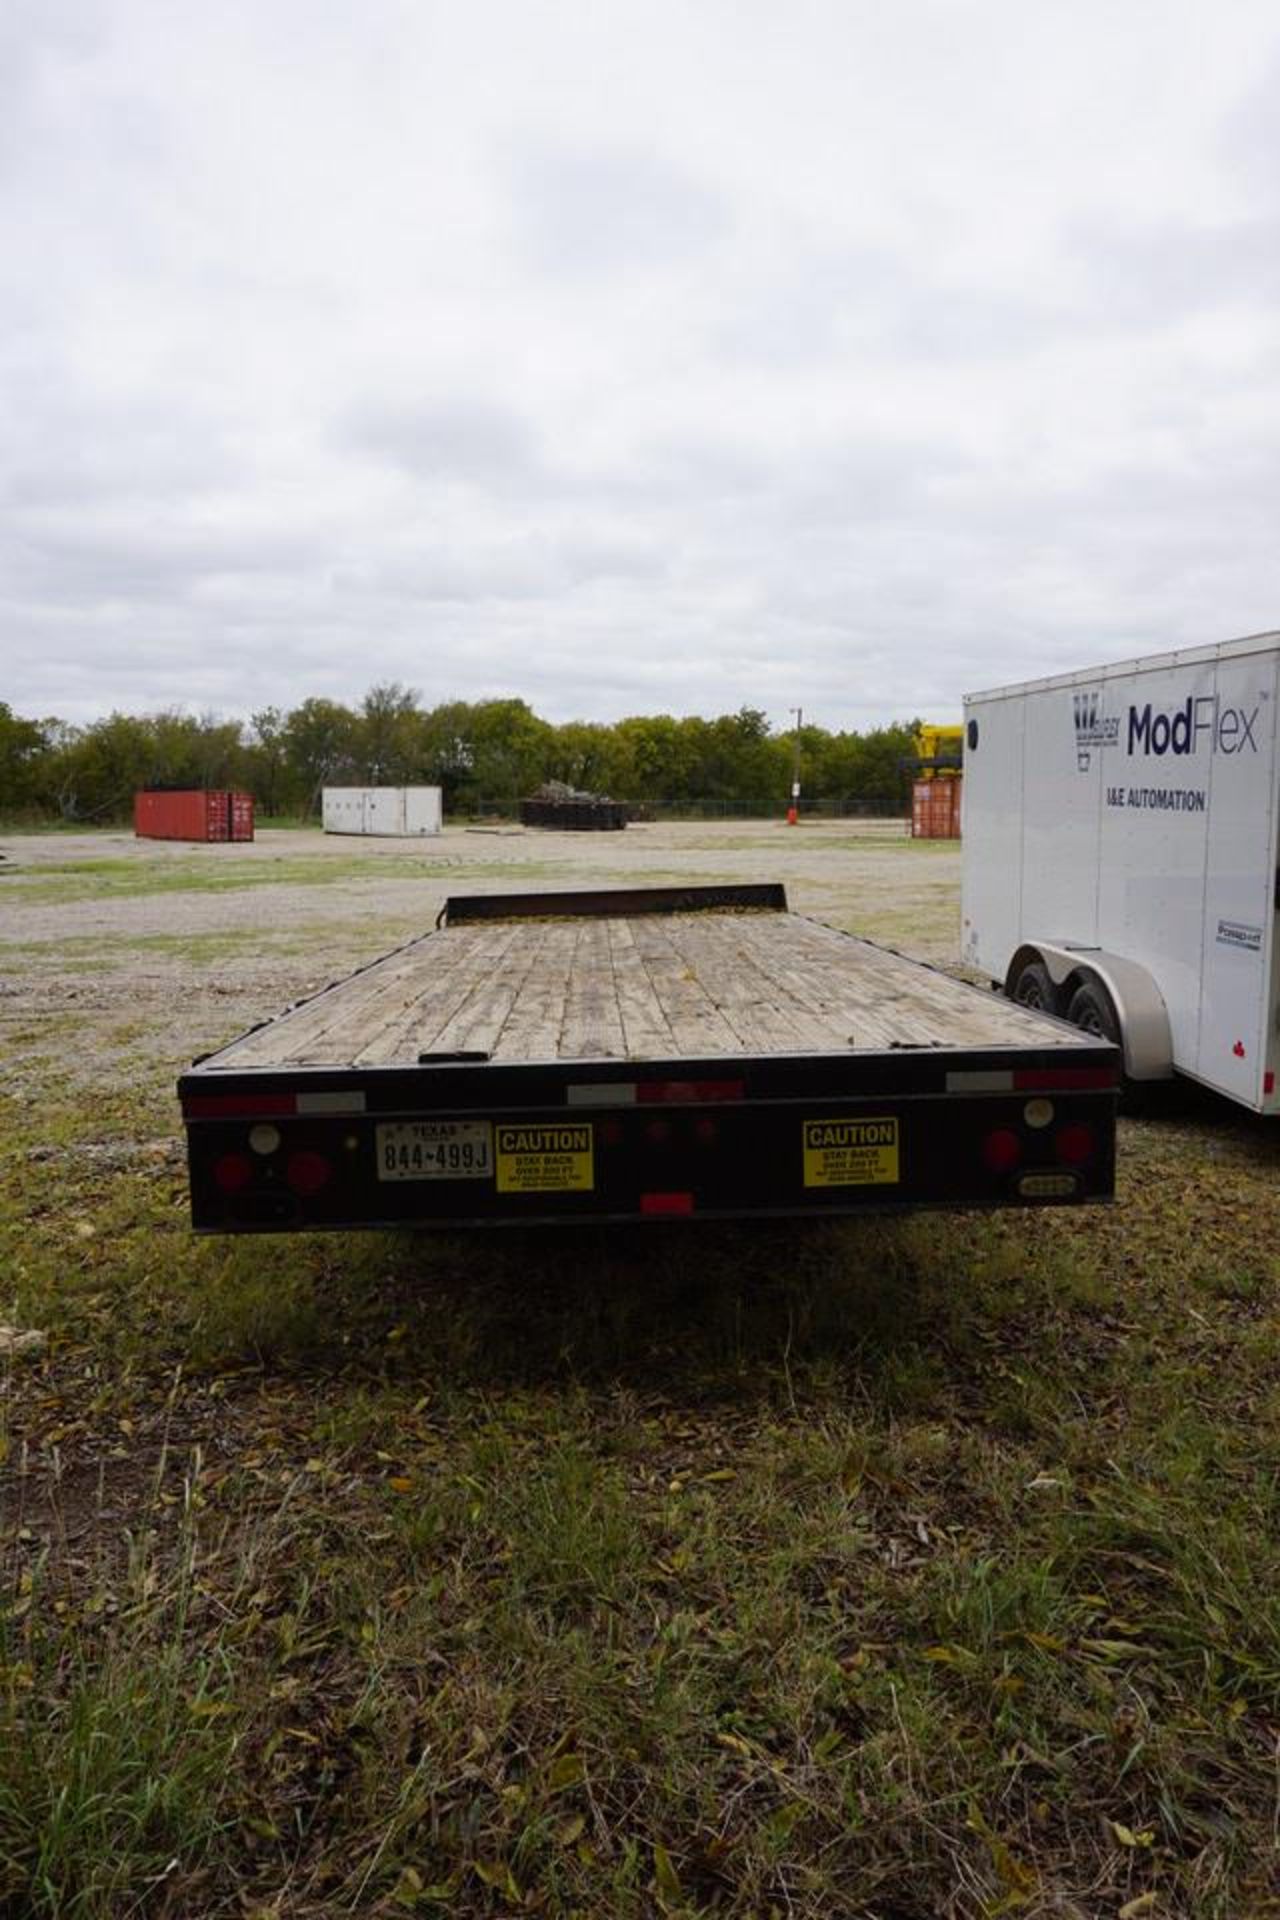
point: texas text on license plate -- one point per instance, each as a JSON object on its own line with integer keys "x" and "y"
{"x": 435, "y": 1150}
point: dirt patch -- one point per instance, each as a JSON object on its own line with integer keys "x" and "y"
{"x": 98, "y": 960}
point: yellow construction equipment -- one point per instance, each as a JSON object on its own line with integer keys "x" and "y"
{"x": 939, "y": 752}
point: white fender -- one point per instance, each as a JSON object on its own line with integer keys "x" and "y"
{"x": 1139, "y": 1004}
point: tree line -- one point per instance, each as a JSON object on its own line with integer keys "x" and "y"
{"x": 484, "y": 754}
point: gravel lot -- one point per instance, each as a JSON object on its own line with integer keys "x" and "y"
{"x": 860, "y": 872}
{"x": 173, "y": 948}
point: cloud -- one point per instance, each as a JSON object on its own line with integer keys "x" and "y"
{"x": 470, "y": 442}
{"x": 851, "y": 360}
{"x": 1162, "y": 274}
{"x": 599, "y": 211}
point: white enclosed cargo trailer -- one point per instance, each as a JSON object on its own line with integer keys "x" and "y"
{"x": 399, "y": 812}
{"x": 1120, "y": 857}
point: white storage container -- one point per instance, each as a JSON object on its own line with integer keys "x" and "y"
{"x": 1120, "y": 828}
{"x": 398, "y": 812}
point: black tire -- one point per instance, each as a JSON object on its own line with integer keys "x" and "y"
{"x": 1090, "y": 1009}
{"x": 1033, "y": 988}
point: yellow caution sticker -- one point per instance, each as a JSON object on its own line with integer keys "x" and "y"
{"x": 851, "y": 1153}
{"x": 544, "y": 1157}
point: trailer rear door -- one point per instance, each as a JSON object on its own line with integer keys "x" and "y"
{"x": 991, "y": 902}
{"x": 1238, "y": 968}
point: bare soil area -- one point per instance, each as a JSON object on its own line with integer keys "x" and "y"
{"x": 188, "y": 944}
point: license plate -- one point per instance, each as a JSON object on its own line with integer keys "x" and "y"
{"x": 435, "y": 1150}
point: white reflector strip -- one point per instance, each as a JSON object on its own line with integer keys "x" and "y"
{"x": 601, "y": 1093}
{"x": 1000, "y": 1081}
{"x": 330, "y": 1103}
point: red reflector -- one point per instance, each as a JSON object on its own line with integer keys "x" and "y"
{"x": 1074, "y": 1145}
{"x": 1002, "y": 1150}
{"x": 706, "y": 1132}
{"x": 610, "y": 1132}
{"x": 651, "y": 1093}
{"x": 666, "y": 1203}
{"x": 1062, "y": 1079}
{"x": 232, "y": 1171}
{"x": 307, "y": 1172}
{"x": 658, "y": 1132}
{"x": 1268, "y": 1081}
{"x": 230, "y": 1106}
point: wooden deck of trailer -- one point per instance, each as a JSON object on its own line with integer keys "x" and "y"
{"x": 636, "y": 987}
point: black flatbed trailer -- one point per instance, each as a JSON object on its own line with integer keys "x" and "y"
{"x": 642, "y": 1054}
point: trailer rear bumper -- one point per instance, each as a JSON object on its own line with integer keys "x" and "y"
{"x": 279, "y": 1159}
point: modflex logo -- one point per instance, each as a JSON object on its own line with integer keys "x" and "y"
{"x": 1200, "y": 724}
{"x": 1093, "y": 727}
{"x": 1086, "y": 706}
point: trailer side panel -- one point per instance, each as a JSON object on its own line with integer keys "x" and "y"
{"x": 1133, "y": 811}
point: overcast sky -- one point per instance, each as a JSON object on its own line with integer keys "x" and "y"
{"x": 631, "y": 357}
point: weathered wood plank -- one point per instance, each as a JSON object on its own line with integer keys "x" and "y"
{"x": 535, "y": 1023}
{"x": 856, "y": 993}
{"x": 839, "y": 1012}
{"x": 650, "y": 986}
{"x": 647, "y": 1032}
{"x": 296, "y": 1032}
{"x": 715, "y": 952}
{"x": 392, "y": 1028}
{"x": 413, "y": 1028}
{"x": 475, "y": 1023}
{"x": 914, "y": 1003}
{"x": 696, "y": 1023}
{"x": 855, "y": 1002}
{"x": 593, "y": 1028}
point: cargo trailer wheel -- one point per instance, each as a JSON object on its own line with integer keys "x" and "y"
{"x": 1034, "y": 988}
{"x": 1090, "y": 1009}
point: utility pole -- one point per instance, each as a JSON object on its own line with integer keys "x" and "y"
{"x": 793, "y": 811}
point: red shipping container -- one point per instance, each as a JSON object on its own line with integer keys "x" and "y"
{"x": 195, "y": 814}
{"x": 935, "y": 809}
{"x": 213, "y": 817}
{"x": 944, "y": 810}
{"x": 173, "y": 816}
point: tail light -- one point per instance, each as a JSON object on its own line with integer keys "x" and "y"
{"x": 232, "y": 1171}
{"x": 1002, "y": 1150}
{"x": 673, "y": 1204}
{"x": 1074, "y": 1145}
{"x": 308, "y": 1172}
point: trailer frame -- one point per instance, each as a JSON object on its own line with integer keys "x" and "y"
{"x": 464, "y": 1137}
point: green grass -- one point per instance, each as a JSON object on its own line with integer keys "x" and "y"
{"x": 117, "y": 1729}
{"x": 892, "y": 1569}
{"x": 706, "y": 1573}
